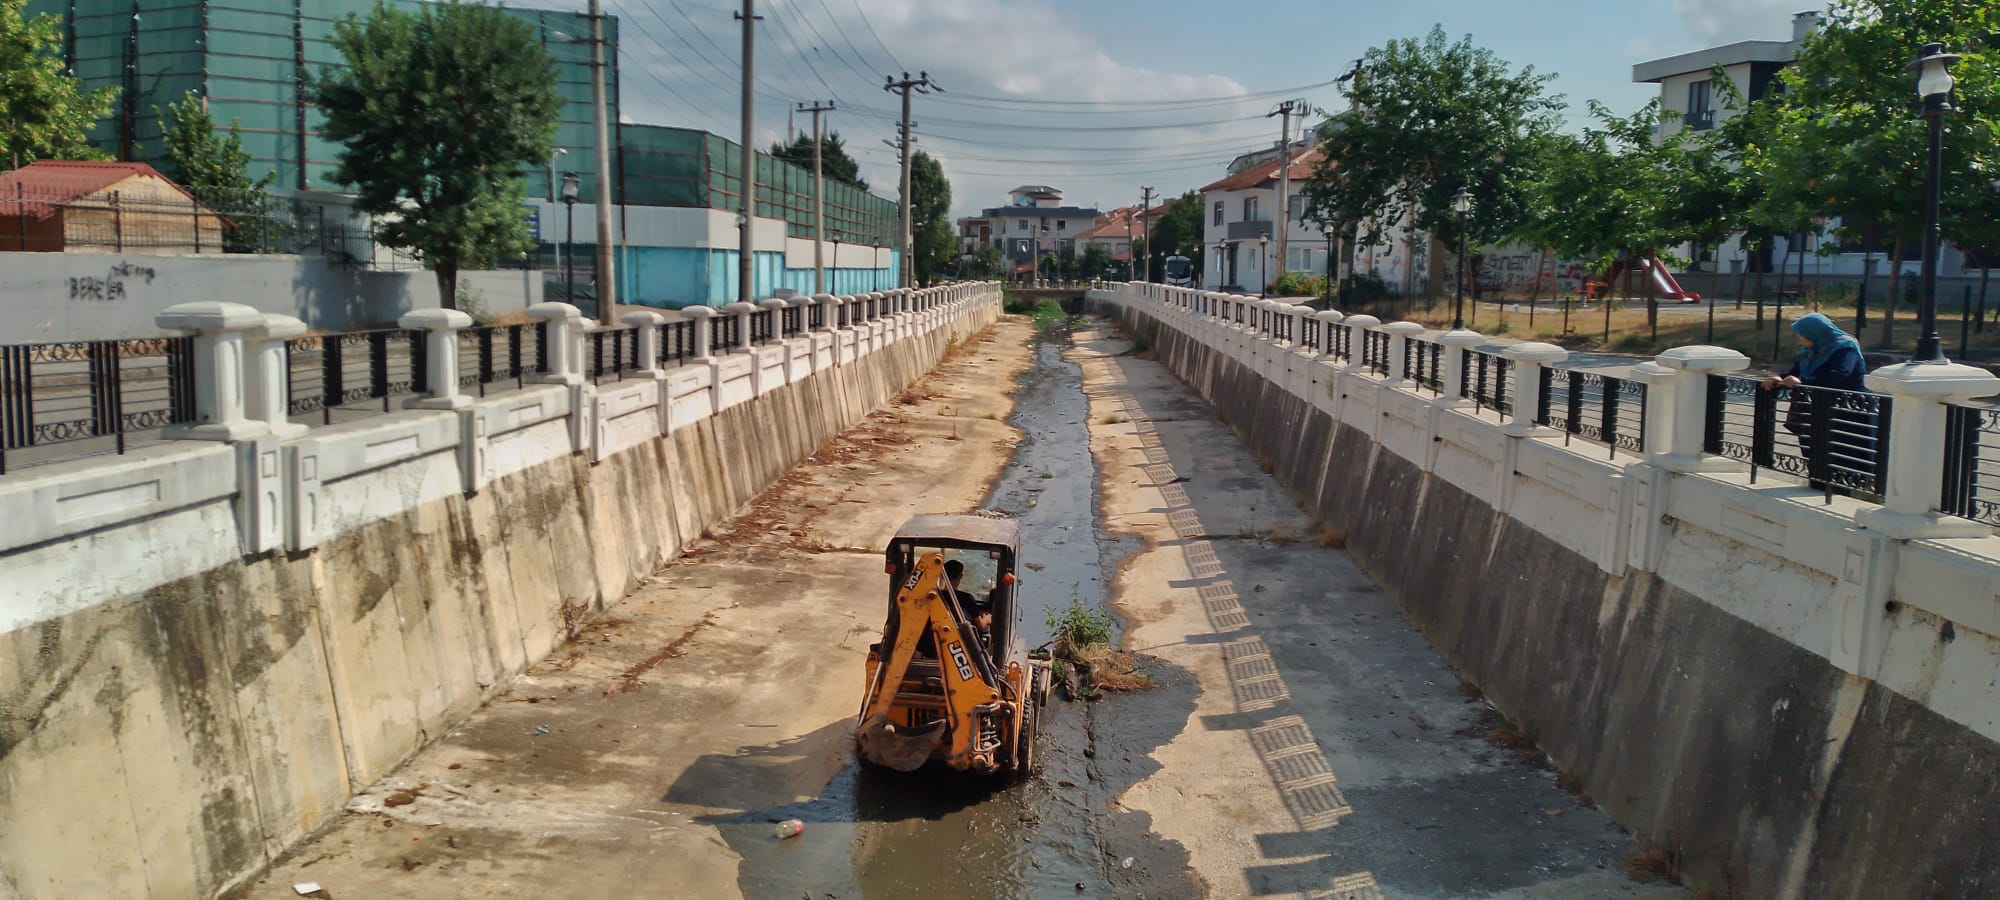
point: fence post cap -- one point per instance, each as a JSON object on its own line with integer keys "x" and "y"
{"x": 799, "y": 300}
{"x": 1363, "y": 321}
{"x": 739, "y": 308}
{"x": 642, "y": 318}
{"x": 1460, "y": 337}
{"x": 774, "y": 303}
{"x": 553, "y": 311}
{"x": 828, "y": 299}
{"x": 697, "y": 311}
{"x": 209, "y": 315}
{"x": 1410, "y": 328}
{"x": 1702, "y": 358}
{"x": 1534, "y": 352}
{"x": 1944, "y": 382}
{"x": 1330, "y": 316}
{"x": 276, "y": 326}
{"x": 434, "y": 320}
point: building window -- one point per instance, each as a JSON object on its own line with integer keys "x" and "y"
{"x": 1020, "y": 224}
{"x": 1250, "y": 209}
{"x": 1218, "y": 214}
{"x": 1301, "y": 259}
{"x": 1061, "y": 224}
{"x": 1700, "y": 114}
{"x": 1297, "y": 208}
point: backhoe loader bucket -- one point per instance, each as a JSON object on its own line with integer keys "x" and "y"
{"x": 881, "y": 743}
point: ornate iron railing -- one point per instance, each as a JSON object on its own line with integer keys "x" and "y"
{"x": 1485, "y": 381}
{"x": 1971, "y": 486}
{"x": 676, "y": 342}
{"x": 613, "y": 352}
{"x": 816, "y": 314}
{"x": 495, "y": 354}
{"x": 760, "y": 327}
{"x": 1281, "y": 325}
{"x": 1375, "y": 351}
{"x": 1343, "y": 336}
{"x": 1781, "y": 429}
{"x": 90, "y": 396}
{"x": 795, "y": 320}
{"x": 1309, "y": 331}
{"x": 728, "y": 333}
{"x": 348, "y": 370}
{"x": 1598, "y": 408}
{"x": 1424, "y": 360}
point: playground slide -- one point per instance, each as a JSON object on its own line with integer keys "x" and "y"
{"x": 1663, "y": 281}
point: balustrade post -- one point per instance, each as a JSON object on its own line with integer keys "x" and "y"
{"x": 829, "y": 311}
{"x": 775, "y": 308}
{"x": 702, "y": 319}
{"x": 440, "y": 329}
{"x": 220, "y": 366}
{"x": 1327, "y": 319}
{"x": 1357, "y": 350}
{"x": 1529, "y": 359}
{"x": 268, "y": 396}
{"x": 1913, "y": 489}
{"x": 1400, "y": 335}
{"x": 742, "y": 311}
{"x": 562, "y": 343}
{"x": 1455, "y": 342}
{"x": 647, "y": 324}
{"x": 1677, "y": 405}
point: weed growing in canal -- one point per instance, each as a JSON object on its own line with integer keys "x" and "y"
{"x": 1083, "y": 647}
{"x": 1078, "y": 625}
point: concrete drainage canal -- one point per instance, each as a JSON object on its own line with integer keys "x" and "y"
{"x": 871, "y": 833}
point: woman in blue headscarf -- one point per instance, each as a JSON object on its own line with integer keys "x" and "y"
{"x": 1831, "y": 359}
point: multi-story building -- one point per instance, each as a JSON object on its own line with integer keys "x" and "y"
{"x": 1116, "y": 231}
{"x": 1035, "y": 222}
{"x": 675, "y": 191}
{"x": 974, "y": 232}
{"x": 1239, "y": 212}
{"x": 1689, "y": 95}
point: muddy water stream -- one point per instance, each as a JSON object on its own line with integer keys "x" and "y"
{"x": 871, "y": 833}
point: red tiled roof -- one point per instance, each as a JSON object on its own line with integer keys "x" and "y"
{"x": 1116, "y": 222}
{"x": 1267, "y": 172}
{"x": 45, "y": 184}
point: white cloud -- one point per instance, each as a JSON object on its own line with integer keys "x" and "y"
{"x": 1729, "y": 21}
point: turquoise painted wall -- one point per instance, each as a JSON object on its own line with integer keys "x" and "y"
{"x": 673, "y": 277}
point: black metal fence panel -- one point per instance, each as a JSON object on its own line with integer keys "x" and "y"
{"x": 1598, "y": 408}
{"x": 490, "y": 356}
{"x": 1375, "y": 351}
{"x": 82, "y": 398}
{"x": 760, "y": 327}
{"x": 677, "y": 342}
{"x": 350, "y": 370}
{"x": 1485, "y": 381}
{"x": 1971, "y": 486}
{"x": 1424, "y": 360}
{"x": 612, "y": 353}
{"x": 727, "y": 334}
{"x": 1836, "y": 441}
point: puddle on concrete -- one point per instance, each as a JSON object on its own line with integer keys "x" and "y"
{"x": 871, "y": 833}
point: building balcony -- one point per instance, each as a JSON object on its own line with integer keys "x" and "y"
{"x": 1248, "y": 231}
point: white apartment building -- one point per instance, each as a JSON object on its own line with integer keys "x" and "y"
{"x": 1238, "y": 214}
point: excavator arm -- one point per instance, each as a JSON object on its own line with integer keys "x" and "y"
{"x": 975, "y": 700}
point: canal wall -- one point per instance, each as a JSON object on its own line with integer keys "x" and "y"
{"x": 1781, "y": 703}
{"x": 176, "y": 710}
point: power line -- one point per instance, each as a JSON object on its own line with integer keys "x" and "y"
{"x": 898, "y": 64}
{"x": 1179, "y": 104}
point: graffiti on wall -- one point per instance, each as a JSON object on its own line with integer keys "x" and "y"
{"x": 110, "y": 288}
{"x": 1511, "y": 271}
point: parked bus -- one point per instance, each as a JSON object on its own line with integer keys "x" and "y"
{"x": 1180, "y": 271}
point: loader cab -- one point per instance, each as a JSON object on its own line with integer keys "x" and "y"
{"x": 986, "y": 547}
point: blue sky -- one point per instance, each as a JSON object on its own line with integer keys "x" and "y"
{"x": 1101, "y": 97}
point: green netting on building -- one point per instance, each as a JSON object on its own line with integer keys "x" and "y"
{"x": 249, "y": 58}
{"x": 664, "y": 166}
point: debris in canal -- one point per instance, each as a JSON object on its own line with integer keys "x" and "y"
{"x": 1085, "y": 661}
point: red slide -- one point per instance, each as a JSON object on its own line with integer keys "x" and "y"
{"x": 1663, "y": 281}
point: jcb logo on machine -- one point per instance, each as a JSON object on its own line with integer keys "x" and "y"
{"x": 916, "y": 575}
{"x": 959, "y": 659}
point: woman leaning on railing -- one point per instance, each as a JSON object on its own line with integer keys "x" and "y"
{"x": 1831, "y": 360}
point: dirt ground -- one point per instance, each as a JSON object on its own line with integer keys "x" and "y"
{"x": 1331, "y": 752}
{"x": 627, "y": 764}
{"x": 1302, "y": 738}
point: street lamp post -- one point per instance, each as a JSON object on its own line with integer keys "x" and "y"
{"x": 1461, "y": 203}
{"x": 569, "y": 190}
{"x": 1934, "y": 83}
{"x": 1264, "y": 262}
{"x": 1038, "y": 252}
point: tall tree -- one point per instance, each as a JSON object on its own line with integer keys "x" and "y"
{"x": 1178, "y": 230}
{"x": 930, "y": 225}
{"x": 1854, "y": 115}
{"x": 214, "y": 167}
{"x": 834, "y": 161}
{"x": 440, "y": 110}
{"x": 44, "y": 111}
{"x": 1429, "y": 117}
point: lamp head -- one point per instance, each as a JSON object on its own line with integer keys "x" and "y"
{"x": 569, "y": 187}
{"x": 1462, "y": 201}
{"x": 1933, "y": 66}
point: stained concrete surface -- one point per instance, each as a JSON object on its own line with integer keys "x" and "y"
{"x": 1331, "y": 752}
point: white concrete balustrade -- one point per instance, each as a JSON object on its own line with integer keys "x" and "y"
{"x": 1844, "y": 562}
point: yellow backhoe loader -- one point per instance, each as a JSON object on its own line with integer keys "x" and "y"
{"x": 951, "y": 679}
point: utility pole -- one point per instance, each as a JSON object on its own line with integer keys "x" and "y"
{"x": 1345, "y": 271}
{"x": 1146, "y": 232}
{"x": 1285, "y": 112}
{"x": 747, "y": 201}
{"x": 607, "y": 291}
{"x": 819, "y": 197}
{"x": 922, "y": 84}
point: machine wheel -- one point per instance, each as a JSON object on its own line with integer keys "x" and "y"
{"x": 1031, "y": 715}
